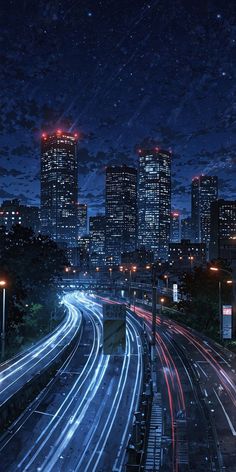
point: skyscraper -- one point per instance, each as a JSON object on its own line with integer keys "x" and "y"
{"x": 186, "y": 228}
{"x": 154, "y": 200}
{"x": 223, "y": 225}
{"x": 175, "y": 232}
{"x": 121, "y": 211}
{"x": 97, "y": 233}
{"x": 204, "y": 192}
{"x": 82, "y": 218}
{"x": 59, "y": 187}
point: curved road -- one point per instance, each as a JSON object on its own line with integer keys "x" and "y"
{"x": 82, "y": 420}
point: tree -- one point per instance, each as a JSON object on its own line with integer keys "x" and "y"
{"x": 32, "y": 265}
{"x": 201, "y": 298}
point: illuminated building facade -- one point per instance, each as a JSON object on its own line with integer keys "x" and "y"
{"x": 82, "y": 219}
{"x": 204, "y": 192}
{"x": 121, "y": 211}
{"x": 223, "y": 225}
{"x": 12, "y": 212}
{"x": 97, "y": 233}
{"x": 175, "y": 233}
{"x": 184, "y": 256}
{"x": 59, "y": 187}
{"x": 154, "y": 201}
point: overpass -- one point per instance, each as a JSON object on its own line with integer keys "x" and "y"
{"x": 101, "y": 285}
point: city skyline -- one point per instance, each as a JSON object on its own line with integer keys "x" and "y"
{"x": 164, "y": 76}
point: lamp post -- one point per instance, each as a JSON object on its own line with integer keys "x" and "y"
{"x": 167, "y": 281}
{"x": 191, "y": 259}
{"x": 162, "y": 301}
{"x": 3, "y": 333}
{"x": 132, "y": 269}
{"x": 217, "y": 269}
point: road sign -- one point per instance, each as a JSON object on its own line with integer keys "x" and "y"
{"x": 114, "y": 311}
{"x": 175, "y": 293}
{"x": 114, "y": 329}
{"x": 227, "y": 318}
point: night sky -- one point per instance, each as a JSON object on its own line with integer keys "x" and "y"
{"x": 124, "y": 74}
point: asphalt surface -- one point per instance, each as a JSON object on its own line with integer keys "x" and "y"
{"x": 82, "y": 420}
{"x": 197, "y": 381}
{"x": 17, "y": 371}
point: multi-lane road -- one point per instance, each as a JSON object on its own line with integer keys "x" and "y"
{"x": 19, "y": 370}
{"x": 197, "y": 382}
{"x": 82, "y": 420}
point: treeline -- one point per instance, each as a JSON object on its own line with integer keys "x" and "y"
{"x": 200, "y": 294}
{"x": 31, "y": 265}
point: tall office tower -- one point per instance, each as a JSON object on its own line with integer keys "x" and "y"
{"x": 175, "y": 230}
{"x": 121, "y": 211}
{"x": 186, "y": 228}
{"x": 59, "y": 187}
{"x": 204, "y": 192}
{"x": 154, "y": 201}
{"x": 82, "y": 218}
{"x": 223, "y": 225}
{"x": 97, "y": 233}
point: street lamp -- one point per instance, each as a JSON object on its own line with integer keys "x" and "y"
{"x": 162, "y": 301}
{"x": 191, "y": 259}
{"x": 3, "y": 333}
{"x": 167, "y": 281}
{"x": 131, "y": 269}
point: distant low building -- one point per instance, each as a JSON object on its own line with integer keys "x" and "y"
{"x": 184, "y": 256}
{"x": 140, "y": 257}
{"x": 227, "y": 249}
{"x": 12, "y": 212}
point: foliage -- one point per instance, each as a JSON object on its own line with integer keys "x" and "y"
{"x": 32, "y": 266}
{"x": 200, "y": 298}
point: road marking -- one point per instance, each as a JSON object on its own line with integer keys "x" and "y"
{"x": 43, "y": 413}
{"x": 70, "y": 372}
{"x": 204, "y": 373}
{"x": 226, "y": 415}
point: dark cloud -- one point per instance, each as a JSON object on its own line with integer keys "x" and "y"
{"x": 131, "y": 74}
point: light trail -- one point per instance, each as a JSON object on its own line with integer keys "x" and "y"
{"x": 23, "y": 366}
{"x": 112, "y": 417}
{"x": 60, "y": 414}
{"x": 217, "y": 367}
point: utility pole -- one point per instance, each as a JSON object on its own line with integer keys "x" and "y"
{"x": 154, "y": 303}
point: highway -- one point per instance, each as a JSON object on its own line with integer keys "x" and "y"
{"x": 16, "y": 372}
{"x": 196, "y": 384}
{"x": 82, "y": 420}
{"x": 197, "y": 381}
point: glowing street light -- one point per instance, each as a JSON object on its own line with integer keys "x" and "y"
{"x": 3, "y": 333}
{"x": 162, "y": 301}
